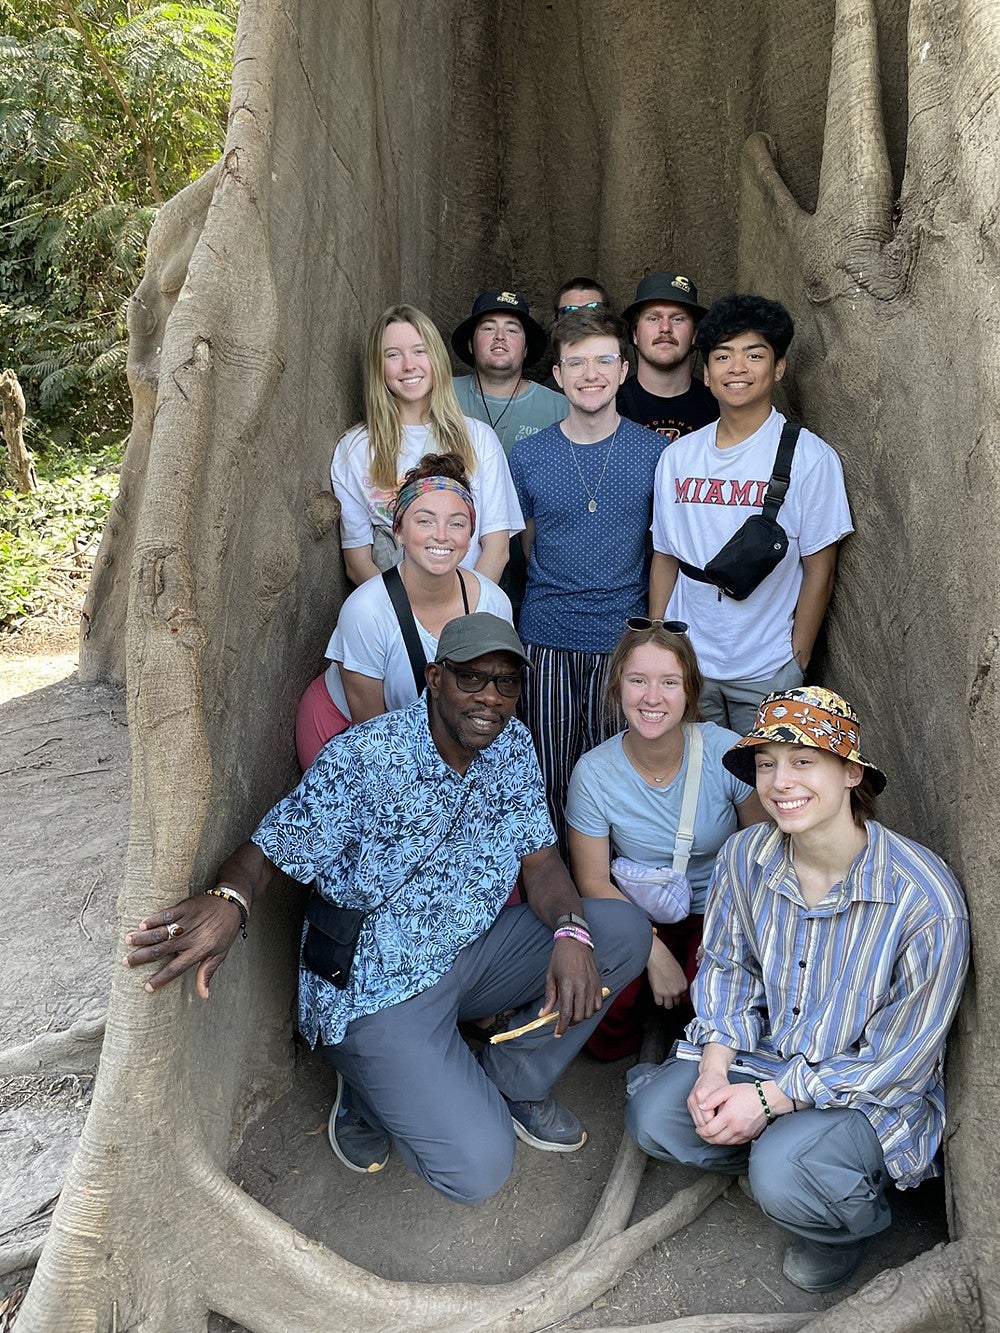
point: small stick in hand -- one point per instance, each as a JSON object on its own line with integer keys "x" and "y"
{"x": 535, "y": 1024}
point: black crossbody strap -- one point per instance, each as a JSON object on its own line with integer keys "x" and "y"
{"x": 407, "y": 625}
{"x": 781, "y": 473}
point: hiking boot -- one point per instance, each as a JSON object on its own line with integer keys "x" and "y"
{"x": 358, "y": 1145}
{"x": 814, "y": 1266}
{"x": 547, "y": 1125}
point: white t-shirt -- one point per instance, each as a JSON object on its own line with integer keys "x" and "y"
{"x": 364, "y": 507}
{"x": 368, "y": 639}
{"x": 702, "y": 495}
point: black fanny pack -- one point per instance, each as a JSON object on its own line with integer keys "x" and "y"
{"x": 759, "y": 545}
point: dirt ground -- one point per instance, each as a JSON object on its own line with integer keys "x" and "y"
{"x": 64, "y": 796}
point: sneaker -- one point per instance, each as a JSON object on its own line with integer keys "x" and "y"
{"x": 547, "y": 1125}
{"x": 814, "y": 1266}
{"x": 358, "y": 1145}
{"x": 744, "y": 1184}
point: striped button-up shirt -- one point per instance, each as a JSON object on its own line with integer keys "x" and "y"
{"x": 845, "y": 1004}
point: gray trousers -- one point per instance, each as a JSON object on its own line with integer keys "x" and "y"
{"x": 412, "y": 1074}
{"x": 819, "y": 1174}
{"x": 734, "y": 703}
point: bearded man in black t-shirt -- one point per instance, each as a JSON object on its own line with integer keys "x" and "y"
{"x": 662, "y": 395}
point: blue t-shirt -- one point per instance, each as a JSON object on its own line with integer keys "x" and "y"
{"x": 608, "y": 799}
{"x": 376, "y": 801}
{"x": 587, "y": 571}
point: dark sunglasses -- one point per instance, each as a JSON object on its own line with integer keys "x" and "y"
{"x": 644, "y": 622}
{"x": 472, "y": 682}
{"x": 588, "y": 305}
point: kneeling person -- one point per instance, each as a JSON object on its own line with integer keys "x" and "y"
{"x": 835, "y": 954}
{"x": 423, "y": 818}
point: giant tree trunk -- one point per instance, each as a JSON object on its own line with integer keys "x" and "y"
{"x": 425, "y": 152}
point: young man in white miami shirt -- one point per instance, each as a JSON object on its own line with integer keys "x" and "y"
{"x": 709, "y": 482}
{"x": 585, "y": 487}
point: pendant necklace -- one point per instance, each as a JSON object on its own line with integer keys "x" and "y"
{"x": 592, "y": 496}
{"x": 648, "y": 773}
{"x": 486, "y": 407}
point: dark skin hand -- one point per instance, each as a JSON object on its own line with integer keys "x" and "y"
{"x": 208, "y": 926}
{"x": 572, "y": 983}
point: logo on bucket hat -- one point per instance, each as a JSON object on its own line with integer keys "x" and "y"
{"x": 490, "y": 303}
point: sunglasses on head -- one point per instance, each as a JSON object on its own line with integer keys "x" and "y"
{"x": 644, "y": 622}
{"x": 587, "y": 305}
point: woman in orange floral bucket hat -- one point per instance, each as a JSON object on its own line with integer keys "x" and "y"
{"x": 835, "y": 955}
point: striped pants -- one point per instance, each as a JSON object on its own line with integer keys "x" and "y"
{"x": 562, "y": 705}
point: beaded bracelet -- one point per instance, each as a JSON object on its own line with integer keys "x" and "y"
{"x": 231, "y": 896}
{"x": 573, "y": 933}
{"x": 763, "y": 1100}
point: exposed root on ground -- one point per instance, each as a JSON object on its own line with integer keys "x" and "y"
{"x": 76, "y": 1050}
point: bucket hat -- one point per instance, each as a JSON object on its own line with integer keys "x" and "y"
{"x": 808, "y": 716}
{"x": 491, "y": 303}
{"x": 663, "y": 287}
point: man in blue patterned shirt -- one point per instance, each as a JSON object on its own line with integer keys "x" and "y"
{"x": 835, "y": 954}
{"x": 424, "y": 818}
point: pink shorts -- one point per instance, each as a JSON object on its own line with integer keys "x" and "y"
{"x": 317, "y": 721}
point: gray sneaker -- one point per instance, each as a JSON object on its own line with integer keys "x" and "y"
{"x": 547, "y": 1125}
{"x": 358, "y": 1145}
{"x": 811, "y": 1265}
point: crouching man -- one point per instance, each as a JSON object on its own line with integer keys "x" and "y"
{"x": 835, "y": 954}
{"x": 422, "y": 818}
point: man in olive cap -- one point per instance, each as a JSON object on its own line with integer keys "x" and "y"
{"x": 662, "y": 395}
{"x": 421, "y": 820}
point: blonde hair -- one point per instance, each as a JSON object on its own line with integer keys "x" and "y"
{"x": 385, "y": 429}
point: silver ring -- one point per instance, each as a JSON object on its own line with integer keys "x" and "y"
{"x": 174, "y": 929}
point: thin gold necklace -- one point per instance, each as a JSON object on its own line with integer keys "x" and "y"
{"x": 592, "y": 498}
{"x": 637, "y": 763}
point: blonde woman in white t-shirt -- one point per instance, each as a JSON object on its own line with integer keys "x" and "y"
{"x": 411, "y": 410}
{"x": 370, "y": 672}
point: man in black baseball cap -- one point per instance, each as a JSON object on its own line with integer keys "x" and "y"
{"x": 662, "y": 321}
{"x": 498, "y": 340}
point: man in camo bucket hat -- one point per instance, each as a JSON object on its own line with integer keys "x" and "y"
{"x": 835, "y": 954}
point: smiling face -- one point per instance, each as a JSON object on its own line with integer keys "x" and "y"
{"x": 436, "y": 532}
{"x": 590, "y": 386}
{"x": 652, "y": 692}
{"x": 664, "y": 334}
{"x": 406, "y": 365}
{"x": 805, "y": 789}
{"x": 464, "y": 724}
{"x": 499, "y": 343}
{"x": 742, "y": 372}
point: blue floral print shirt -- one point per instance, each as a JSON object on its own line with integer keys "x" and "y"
{"x": 376, "y": 800}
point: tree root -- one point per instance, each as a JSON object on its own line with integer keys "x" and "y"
{"x": 25, "y": 1255}
{"x": 719, "y": 1323}
{"x": 76, "y": 1050}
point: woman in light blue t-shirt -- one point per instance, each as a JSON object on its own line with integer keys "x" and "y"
{"x": 625, "y": 801}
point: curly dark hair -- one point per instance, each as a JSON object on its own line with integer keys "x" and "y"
{"x": 735, "y": 314}
{"x": 438, "y": 465}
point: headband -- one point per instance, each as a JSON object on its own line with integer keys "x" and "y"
{"x": 423, "y": 486}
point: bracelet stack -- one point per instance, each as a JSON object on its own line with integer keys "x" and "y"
{"x": 230, "y": 895}
{"x": 569, "y": 926}
{"x": 574, "y": 933}
{"x": 763, "y": 1100}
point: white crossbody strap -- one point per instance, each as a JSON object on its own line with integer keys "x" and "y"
{"x": 684, "y": 841}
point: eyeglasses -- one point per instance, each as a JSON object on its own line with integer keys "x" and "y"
{"x": 587, "y": 305}
{"x": 472, "y": 682}
{"x": 606, "y": 361}
{"x": 644, "y": 622}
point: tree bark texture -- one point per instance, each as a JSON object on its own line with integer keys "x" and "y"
{"x": 840, "y": 157}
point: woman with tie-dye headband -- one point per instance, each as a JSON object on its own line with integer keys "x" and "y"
{"x": 433, "y": 518}
{"x": 835, "y": 954}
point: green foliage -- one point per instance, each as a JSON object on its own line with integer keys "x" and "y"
{"x": 55, "y": 527}
{"x": 107, "y": 108}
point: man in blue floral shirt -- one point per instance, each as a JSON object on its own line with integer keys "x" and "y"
{"x": 423, "y": 818}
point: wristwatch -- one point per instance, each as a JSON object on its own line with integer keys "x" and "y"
{"x": 571, "y": 919}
